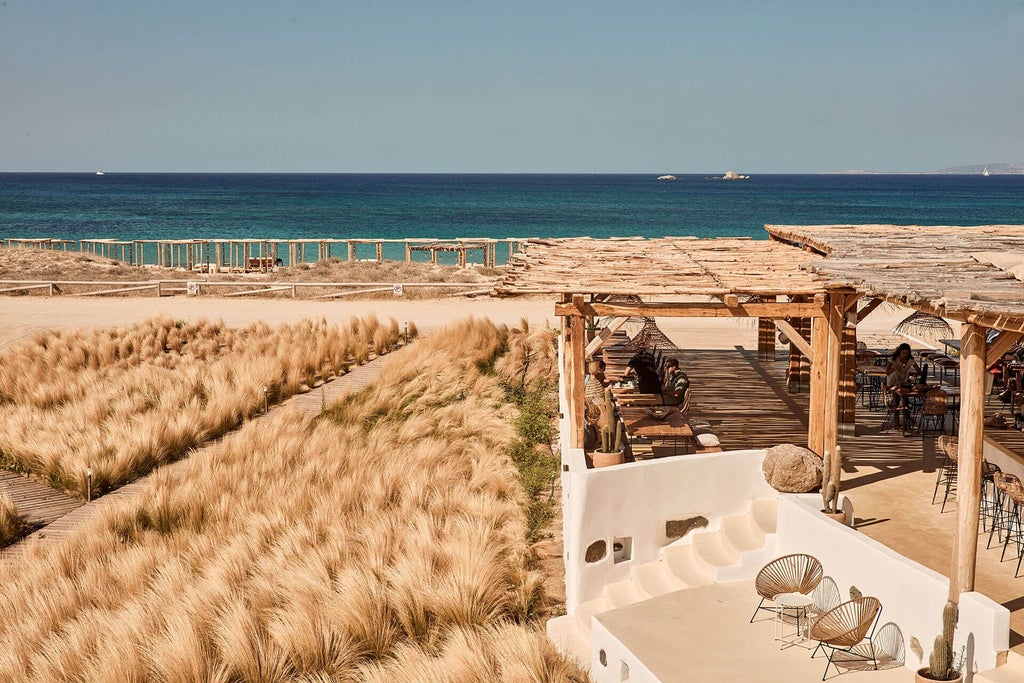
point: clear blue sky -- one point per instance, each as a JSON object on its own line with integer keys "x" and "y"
{"x": 510, "y": 86}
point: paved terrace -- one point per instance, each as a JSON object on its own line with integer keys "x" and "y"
{"x": 888, "y": 477}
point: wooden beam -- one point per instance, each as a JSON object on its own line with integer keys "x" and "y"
{"x": 795, "y": 338}
{"x": 970, "y": 446}
{"x": 1000, "y": 345}
{"x": 692, "y": 310}
{"x": 866, "y": 311}
{"x": 603, "y": 335}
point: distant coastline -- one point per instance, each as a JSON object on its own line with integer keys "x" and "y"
{"x": 970, "y": 169}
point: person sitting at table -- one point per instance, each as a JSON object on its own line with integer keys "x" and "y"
{"x": 901, "y": 364}
{"x": 676, "y": 391}
{"x": 642, "y": 368}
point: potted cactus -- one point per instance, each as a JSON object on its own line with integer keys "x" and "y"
{"x": 832, "y": 471}
{"x": 942, "y": 665}
{"x": 613, "y": 438}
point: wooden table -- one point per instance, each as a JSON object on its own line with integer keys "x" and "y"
{"x": 674, "y": 427}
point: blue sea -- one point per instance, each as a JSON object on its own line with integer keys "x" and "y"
{"x": 282, "y": 206}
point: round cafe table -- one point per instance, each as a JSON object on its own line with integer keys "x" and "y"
{"x": 794, "y": 604}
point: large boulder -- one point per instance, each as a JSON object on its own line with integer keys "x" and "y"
{"x": 792, "y": 469}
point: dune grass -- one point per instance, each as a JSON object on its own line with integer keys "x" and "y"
{"x": 12, "y": 523}
{"x": 385, "y": 540}
{"x": 122, "y": 401}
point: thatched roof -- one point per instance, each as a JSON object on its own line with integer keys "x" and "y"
{"x": 665, "y": 266}
{"x": 962, "y": 273}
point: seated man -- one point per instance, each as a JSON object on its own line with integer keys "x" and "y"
{"x": 644, "y": 372}
{"x": 677, "y": 386}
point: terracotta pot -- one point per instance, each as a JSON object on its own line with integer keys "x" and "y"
{"x": 838, "y": 516}
{"x": 606, "y": 459}
{"x": 922, "y": 676}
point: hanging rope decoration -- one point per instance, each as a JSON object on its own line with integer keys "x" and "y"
{"x": 918, "y": 322}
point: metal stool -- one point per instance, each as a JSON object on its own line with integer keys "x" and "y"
{"x": 989, "y": 497}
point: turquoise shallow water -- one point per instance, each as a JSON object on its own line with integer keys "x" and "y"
{"x": 146, "y": 206}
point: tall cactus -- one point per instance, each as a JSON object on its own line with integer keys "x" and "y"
{"x": 941, "y": 661}
{"x": 612, "y": 432}
{"x": 831, "y": 472}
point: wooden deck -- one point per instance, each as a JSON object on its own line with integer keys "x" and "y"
{"x": 58, "y": 514}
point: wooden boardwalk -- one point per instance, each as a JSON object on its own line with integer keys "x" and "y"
{"x": 40, "y": 503}
{"x": 59, "y": 514}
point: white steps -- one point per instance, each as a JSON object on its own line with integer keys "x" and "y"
{"x": 737, "y": 549}
{"x": 1011, "y": 672}
{"x": 655, "y": 578}
{"x": 687, "y": 566}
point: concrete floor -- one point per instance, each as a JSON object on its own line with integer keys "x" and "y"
{"x": 676, "y": 635}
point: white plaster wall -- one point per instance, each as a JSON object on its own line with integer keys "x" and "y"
{"x": 615, "y": 654}
{"x": 912, "y": 595}
{"x": 635, "y": 499}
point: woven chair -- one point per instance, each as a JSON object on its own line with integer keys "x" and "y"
{"x": 946, "y": 476}
{"x": 844, "y": 627}
{"x": 797, "y": 573}
{"x": 936, "y": 405}
{"x": 826, "y": 597}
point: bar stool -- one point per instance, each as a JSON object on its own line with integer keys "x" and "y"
{"x": 1003, "y": 481}
{"x": 989, "y": 494}
{"x": 946, "y": 476}
{"x": 936, "y": 406}
{"x": 1014, "y": 493}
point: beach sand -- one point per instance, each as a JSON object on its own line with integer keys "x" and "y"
{"x": 22, "y": 317}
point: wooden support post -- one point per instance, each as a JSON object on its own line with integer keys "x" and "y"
{"x": 766, "y": 336}
{"x": 815, "y": 406}
{"x": 805, "y": 360}
{"x": 970, "y": 446}
{"x": 833, "y": 363}
{"x": 380, "y": 252}
{"x": 573, "y": 355}
{"x": 408, "y": 251}
{"x": 848, "y": 365}
{"x": 793, "y": 369}
{"x": 351, "y": 251}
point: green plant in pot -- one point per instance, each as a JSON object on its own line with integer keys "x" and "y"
{"x": 613, "y": 436}
{"x": 831, "y": 473}
{"x": 942, "y": 665}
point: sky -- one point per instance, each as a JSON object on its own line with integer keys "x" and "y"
{"x": 513, "y": 86}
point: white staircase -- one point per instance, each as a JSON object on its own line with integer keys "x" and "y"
{"x": 1011, "y": 672}
{"x": 737, "y": 549}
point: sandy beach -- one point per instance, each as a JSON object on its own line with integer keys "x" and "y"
{"x": 21, "y": 317}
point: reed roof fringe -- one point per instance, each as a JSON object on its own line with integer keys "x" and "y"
{"x": 970, "y": 274}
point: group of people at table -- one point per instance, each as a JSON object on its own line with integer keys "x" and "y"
{"x": 905, "y": 381}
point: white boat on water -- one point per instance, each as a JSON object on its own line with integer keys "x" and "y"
{"x": 666, "y": 177}
{"x": 99, "y": 172}
{"x": 985, "y": 172}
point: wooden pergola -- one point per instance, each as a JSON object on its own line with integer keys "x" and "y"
{"x": 825, "y": 278}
